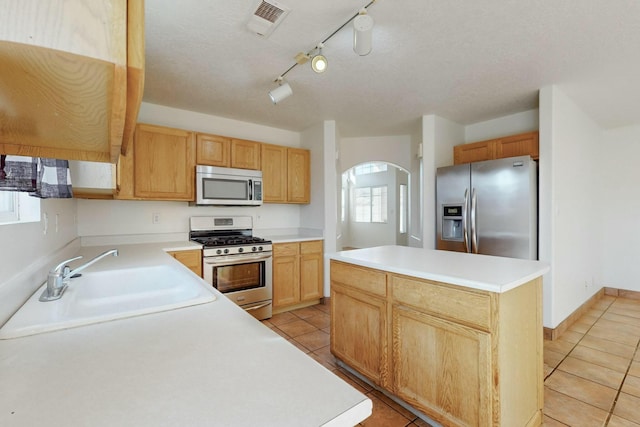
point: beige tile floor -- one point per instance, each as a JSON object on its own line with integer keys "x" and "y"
{"x": 592, "y": 371}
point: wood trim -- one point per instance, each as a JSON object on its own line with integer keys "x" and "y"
{"x": 622, "y": 293}
{"x": 554, "y": 333}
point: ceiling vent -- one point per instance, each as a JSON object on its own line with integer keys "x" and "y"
{"x": 267, "y": 17}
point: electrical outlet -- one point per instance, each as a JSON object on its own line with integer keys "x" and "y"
{"x": 57, "y": 221}
{"x": 155, "y": 217}
{"x": 45, "y": 223}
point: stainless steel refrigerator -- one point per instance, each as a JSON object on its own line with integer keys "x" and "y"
{"x": 489, "y": 208}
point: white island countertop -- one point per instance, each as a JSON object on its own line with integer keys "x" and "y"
{"x": 206, "y": 365}
{"x": 488, "y": 273}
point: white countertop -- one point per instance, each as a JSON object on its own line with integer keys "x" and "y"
{"x": 211, "y": 364}
{"x": 489, "y": 273}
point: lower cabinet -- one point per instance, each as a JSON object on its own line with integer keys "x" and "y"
{"x": 297, "y": 274}
{"x": 192, "y": 259}
{"x": 464, "y": 357}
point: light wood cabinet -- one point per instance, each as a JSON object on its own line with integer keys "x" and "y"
{"x": 88, "y": 52}
{"x": 286, "y": 174}
{"x": 462, "y": 356}
{"x": 359, "y": 324}
{"x": 297, "y": 274}
{"x": 500, "y": 148}
{"x": 213, "y": 150}
{"x": 298, "y": 175}
{"x": 161, "y": 165}
{"x": 245, "y": 154}
{"x": 274, "y": 173}
{"x": 192, "y": 259}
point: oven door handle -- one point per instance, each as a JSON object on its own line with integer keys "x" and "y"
{"x": 235, "y": 259}
{"x": 256, "y": 307}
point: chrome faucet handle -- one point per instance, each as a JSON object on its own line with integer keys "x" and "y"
{"x": 62, "y": 265}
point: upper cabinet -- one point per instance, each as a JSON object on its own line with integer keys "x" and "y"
{"x": 161, "y": 165}
{"x": 216, "y": 150}
{"x": 510, "y": 146}
{"x": 285, "y": 174}
{"x": 71, "y": 77}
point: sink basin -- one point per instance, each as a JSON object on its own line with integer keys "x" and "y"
{"x": 108, "y": 295}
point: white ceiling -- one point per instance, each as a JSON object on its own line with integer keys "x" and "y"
{"x": 465, "y": 60}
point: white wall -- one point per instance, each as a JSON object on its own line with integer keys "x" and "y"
{"x": 116, "y": 217}
{"x": 27, "y": 254}
{"x": 620, "y": 175}
{"x": 571, "y": 208}
{"x": 390, "y": 149}
{"x": 526, "y": 121}
{"x": 439, "y": 136}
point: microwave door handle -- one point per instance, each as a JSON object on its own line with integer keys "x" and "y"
{"x": 250, "y": 189}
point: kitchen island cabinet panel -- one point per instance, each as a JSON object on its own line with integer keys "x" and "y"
{"x": 442, "y": 366}
{"x": 445, "y": 344}
{"x": 359, "y": 332}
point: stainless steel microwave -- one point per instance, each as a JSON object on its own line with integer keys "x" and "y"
{"x": 228, "y": 186}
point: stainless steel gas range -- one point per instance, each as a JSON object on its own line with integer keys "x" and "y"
{"x": 235, "y": 262}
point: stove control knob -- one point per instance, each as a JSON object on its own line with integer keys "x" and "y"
{"x": 219, "y": 251}
{"x": 226, "y": 251}
{"x": 240, "y": 249}
{"x": 259, "y": 248}
{"x": 253, "y": 249}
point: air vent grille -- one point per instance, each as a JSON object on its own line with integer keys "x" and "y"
{"x": 269, "y": 12}
{"x": 267, "y": 16}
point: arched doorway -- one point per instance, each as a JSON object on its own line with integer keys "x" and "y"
{"x": 374, "y": 206}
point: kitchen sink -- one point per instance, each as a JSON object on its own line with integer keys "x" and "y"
{"x": 108, "y": 295}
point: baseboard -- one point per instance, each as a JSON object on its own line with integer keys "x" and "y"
{"x": 554, "y": 333}
{"x": 622, "y": 293}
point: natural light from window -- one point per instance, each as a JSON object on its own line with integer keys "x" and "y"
{"x": 371, "y": 204}
{"x": 17, "y": 207}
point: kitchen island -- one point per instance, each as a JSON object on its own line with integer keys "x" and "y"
{"x": 456, "y": 336}
{"x": 204, "y": 365}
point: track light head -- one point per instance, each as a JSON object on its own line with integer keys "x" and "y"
{"x": 280, "y": 93}
{"x": 362, "y": 34}
{"x": 319, "y": 62}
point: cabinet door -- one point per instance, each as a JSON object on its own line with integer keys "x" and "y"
{"x": 359, "y": 331}
{"x": 311, "y": 270}
{"x": 274, "y": 173}
{"x": 245, "y": 154}
{"x": 164, "y": 163}
{"x": 213, "y": 150}
{"x": 442, "y": 368}
{"x": 192, "y": 259}
{"x": 298, "y": 175}
{"x": 475, "y": 152}
{"x": 518, "y": 145}
{"x": 286, "y": 274}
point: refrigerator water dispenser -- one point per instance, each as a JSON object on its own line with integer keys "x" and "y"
{"x": 452, "y": 223}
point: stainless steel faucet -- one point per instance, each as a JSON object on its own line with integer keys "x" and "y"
{"x": 59, "y": 276}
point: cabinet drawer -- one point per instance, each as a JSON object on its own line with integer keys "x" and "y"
{"x": 286, "y": 249}
{"x": 455, "y": 304}
{"x": 314, "y": 247}
{"x": 364, "y": 279}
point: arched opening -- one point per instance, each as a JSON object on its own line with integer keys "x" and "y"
{"x": 374, "y": 206}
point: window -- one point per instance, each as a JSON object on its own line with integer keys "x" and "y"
{"x": 17, "y": 207}
{"x": 371, "y": 204}
{"x": 373, "y": 167}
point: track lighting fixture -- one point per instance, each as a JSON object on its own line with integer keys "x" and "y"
{"x": 319, "y": 62}
{"x": 283, "y": 91}
{"x": 362, "y": 34}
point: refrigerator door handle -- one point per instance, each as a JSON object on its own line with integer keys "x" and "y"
{"x": 474, "y": 231}
{"x": 465, "y": 233}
